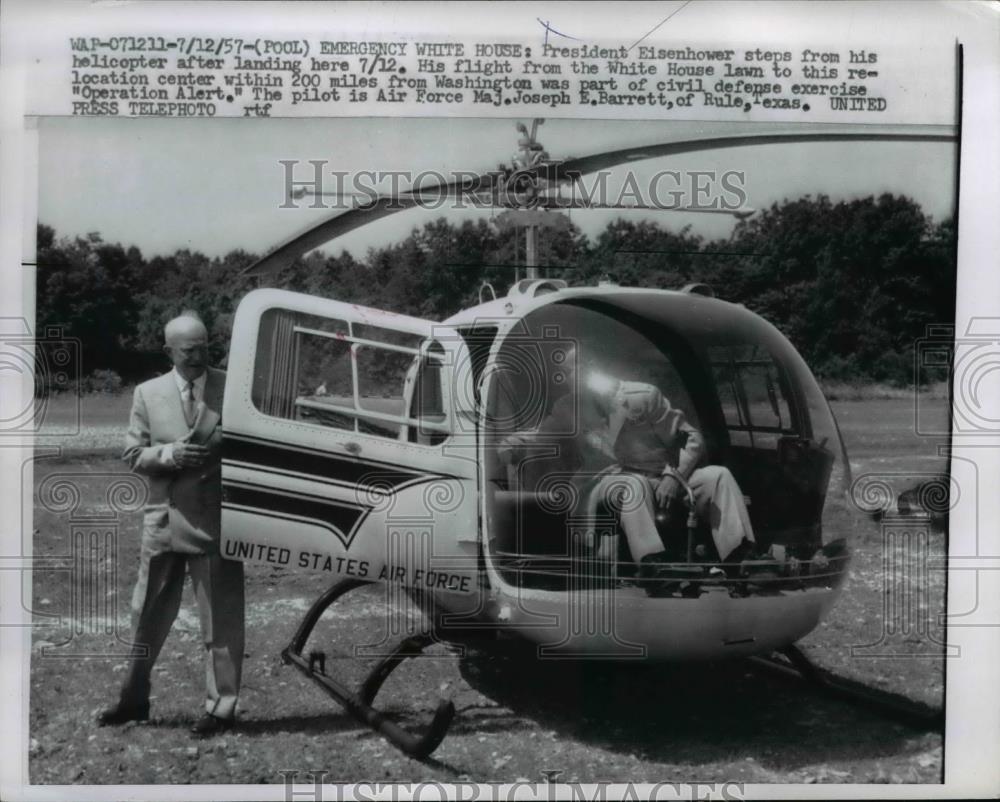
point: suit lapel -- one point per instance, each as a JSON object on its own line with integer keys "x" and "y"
{"x": 170, "y": 407}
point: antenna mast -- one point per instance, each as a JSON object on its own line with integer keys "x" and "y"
{"x": 532, "y": 153}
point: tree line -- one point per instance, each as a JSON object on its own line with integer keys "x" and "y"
{"x": 852, "y": 284}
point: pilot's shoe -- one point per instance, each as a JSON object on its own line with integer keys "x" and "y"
{"x": 122, "y": 713}
{"x": 661, "y": 575}
{"x": 209, "y": 725}
{"x": 747, "y": 550}
{"x": 652, "y": 575}
{"x": 649, "y": 565}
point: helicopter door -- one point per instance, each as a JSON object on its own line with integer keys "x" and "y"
{"x": 349, "y": 440}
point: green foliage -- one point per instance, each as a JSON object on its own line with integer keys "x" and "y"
{"x": 100, "y": 381}
{"x": 853, "y": 284}
{"x": 89, "y": 289}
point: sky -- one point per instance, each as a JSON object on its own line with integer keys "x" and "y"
{"x": 217, "y": 185}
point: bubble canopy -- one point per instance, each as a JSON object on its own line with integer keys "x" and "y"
{"x": 735, "y": 378}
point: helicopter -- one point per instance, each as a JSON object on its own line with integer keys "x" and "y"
{"x": 372, "y": 446}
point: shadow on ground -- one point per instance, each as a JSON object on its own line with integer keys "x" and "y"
{"x": 683, "y": 714}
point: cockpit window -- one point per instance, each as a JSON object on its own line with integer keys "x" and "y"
{"x": 584, "y": 394}
{"x": 563, "y": 348}
{"x": 341, "y": 375}
{"x": 428, "y": 403}
{"x": 751, "y": 392}
{"x": 479, "y": 340}
{"x": 545, "y": 383}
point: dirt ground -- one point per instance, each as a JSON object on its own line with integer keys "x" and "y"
{"x": 729, "y": 722}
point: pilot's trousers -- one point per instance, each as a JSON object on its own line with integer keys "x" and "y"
{"x": 156, "y": 600}
{"x": 718, "y": 501}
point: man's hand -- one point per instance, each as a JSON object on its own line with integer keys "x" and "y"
{"x": 189, "y": 455}
{"x": 668, "y": 490}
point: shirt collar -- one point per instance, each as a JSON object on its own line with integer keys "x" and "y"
{"x": 199, "y": 383}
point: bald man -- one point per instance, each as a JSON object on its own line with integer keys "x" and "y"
{"x": 174, "y": 438}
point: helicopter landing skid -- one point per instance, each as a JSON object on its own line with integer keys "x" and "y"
{"x": 893, "y": 706}
{"x": 359, "y": 702}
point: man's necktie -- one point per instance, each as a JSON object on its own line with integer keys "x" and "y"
{"x": 189, "y": 403}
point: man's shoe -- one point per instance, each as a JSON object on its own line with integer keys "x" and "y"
{"x": 649, "y": 575}
{"x": 649, "y": 566}
{"x": 209, "y": 725}
{"x": 747, "y": 550}
{"x": 122, "y": 713}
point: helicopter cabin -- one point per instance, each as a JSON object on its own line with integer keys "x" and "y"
{"x": 734, "y": 379}
{"x": 356, "y": 437}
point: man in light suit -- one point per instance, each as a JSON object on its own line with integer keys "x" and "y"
{"x": 174, "y": 438}
{"x": 645, "y": 448}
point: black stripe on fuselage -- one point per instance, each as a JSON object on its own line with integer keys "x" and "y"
{"x": 339, "y": 517}
{"x": 352, "y": 471}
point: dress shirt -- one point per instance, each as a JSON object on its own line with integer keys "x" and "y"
{"x": 197, "y": 393}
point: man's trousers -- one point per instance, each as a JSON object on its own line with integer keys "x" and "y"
{"x": 718, "y": 502}
{"x": 156, "y": 600}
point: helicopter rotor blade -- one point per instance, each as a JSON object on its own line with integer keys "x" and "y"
{"x": 367, "y": 212}
{"x": 558, "y": 204}
{"x": 572, "y": 169}
{"x": 317, "y": 235}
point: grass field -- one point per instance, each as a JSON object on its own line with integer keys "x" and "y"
{"x": 729, "y": 722}
{"x": 83, "y": 425}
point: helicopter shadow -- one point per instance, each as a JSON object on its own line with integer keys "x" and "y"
{"x": 694, "y": 714}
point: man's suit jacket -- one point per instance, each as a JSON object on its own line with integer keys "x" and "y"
{"x": 184, "y": 509}
{"x": 648, "y": 434}
{"x": 636, "y": 429}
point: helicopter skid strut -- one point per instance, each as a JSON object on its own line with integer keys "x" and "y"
{"x": 359, "y": 702}
{"x": 892, "y": 706}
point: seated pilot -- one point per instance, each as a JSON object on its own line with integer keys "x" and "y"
{"x": 630, "y": 450}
